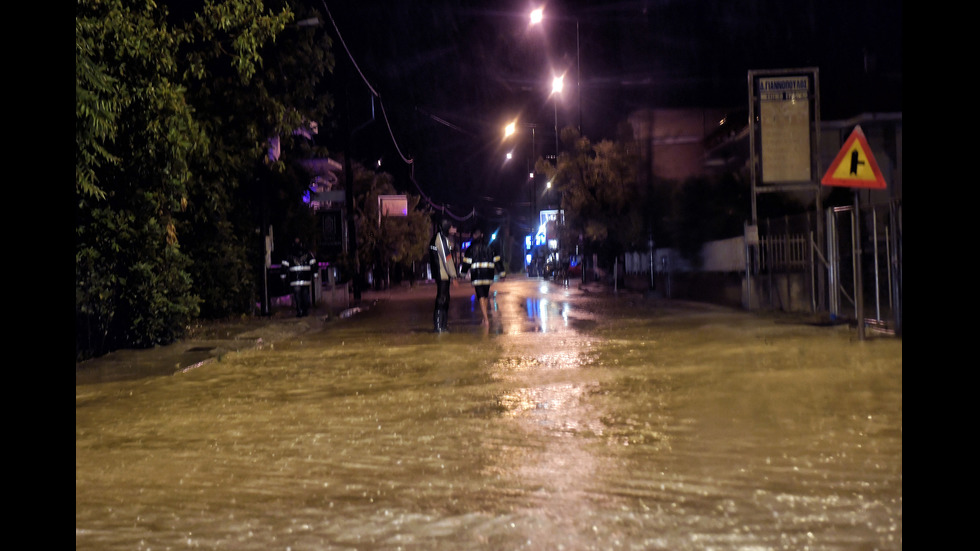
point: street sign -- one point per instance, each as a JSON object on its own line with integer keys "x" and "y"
{"x": 393, "y": 205}
{"x": 854, "y": 165}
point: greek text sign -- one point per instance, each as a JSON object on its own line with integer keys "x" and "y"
{"x": 784, "y": 109}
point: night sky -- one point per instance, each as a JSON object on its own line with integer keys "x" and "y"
{"x": 451, "y": 73}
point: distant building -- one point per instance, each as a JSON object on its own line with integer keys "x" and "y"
{"x": 327, "y": 191}
{"x": 674, "y": 140}
{"x": 327, "y": 201}
{"x": 685, "y": 143}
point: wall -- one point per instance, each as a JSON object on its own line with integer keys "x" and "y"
{"x": 673, "y": 139}
{"x": 722, "y": 279}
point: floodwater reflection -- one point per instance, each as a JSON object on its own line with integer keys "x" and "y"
{"x": 576, "y": 422}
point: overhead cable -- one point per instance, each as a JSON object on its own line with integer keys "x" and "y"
{"x": 442, "y": 208}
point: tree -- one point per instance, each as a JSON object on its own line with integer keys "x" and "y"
{"x": 254, "y": 78}
{"x": 134, "y": 135}
{"x": 612, "y": 209}
{"x": 601, "y": 194}
{"x": 708, "y": 208}
{"x": 174, "y": 112}
{"x": 701, "y": 215}
{"x": 387, "y": 243}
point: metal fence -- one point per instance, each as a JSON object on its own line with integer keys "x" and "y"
{"x": 837, "y": 267}
{"x": 847, "y": 267}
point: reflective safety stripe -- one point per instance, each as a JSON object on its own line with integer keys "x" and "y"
{"x": 302, "y": 268}
{"x": 482, "y": 282}
{"x": 443, "y": 253}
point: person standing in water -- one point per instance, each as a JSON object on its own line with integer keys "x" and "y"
{"x": 443, "y": 271}
{"x": 483, "y": 263}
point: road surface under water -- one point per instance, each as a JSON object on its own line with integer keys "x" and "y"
{"x": 574, "y": 422}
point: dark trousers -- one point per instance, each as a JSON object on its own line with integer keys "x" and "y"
{"x": 440, "y": 315}
{"x": 301, "y": 296}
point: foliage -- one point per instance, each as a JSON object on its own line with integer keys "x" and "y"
{"x": 612, "y": 205}
{"x": 387, "y": 243}
{"x": 174, "y": 111}
{"x": 98, "y": 101}
{"x": 708, "y": 208}
{"x": 134, "y": 133}
{"x": 602, "y": 195}
{"x": 252, "y": 79}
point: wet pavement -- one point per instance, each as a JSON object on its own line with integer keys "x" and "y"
{"x": 580, "y": 419}
{"x": 211, "y": 340}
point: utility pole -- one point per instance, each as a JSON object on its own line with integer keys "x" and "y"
{"x": 349, "y": 199}
{"x": 578, "y": 77}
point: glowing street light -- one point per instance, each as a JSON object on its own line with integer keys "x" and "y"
{"x": 556, "y": 87}
{"x": 537, "y": 14}
{"x": 557, "y": 84}
{"x": 509, "y": 130}
{"x": 537, "y": 17}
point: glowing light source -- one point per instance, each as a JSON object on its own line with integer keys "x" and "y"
{"x": 558, "y": 84}
{"x": 537, "y": 15}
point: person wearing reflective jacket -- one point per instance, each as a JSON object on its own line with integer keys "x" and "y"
{"x": 483, "y": 263}
{"x": 443, "y": 271}
{"x": 301, "y": 264}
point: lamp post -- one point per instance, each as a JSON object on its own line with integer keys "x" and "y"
{"x": 537, "y": 17}
{"x": 509, "y": 131}
{"x": 534, "y": 217}
{"x": 557, "y": 84}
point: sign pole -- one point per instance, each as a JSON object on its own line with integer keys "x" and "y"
{"x": 855, "y": 167}
{"x": 858, "y": 283}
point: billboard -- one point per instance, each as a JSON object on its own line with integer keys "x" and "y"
{"x": 393, "y": 205}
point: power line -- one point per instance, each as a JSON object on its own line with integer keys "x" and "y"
{"x": 411, "y": 162}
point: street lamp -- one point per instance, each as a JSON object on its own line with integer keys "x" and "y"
{"x": 509, "y": 130}
{"x": 537, "y": 17}
{"x": 537, "y": 14}
{"x": 556, "y": 87}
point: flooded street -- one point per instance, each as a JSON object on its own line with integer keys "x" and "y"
{"x": 576, "y": 421}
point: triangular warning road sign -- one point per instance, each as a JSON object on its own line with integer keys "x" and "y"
{"x": 854, "y": 165}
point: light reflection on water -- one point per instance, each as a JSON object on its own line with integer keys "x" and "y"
{"x": 652, "y": 429}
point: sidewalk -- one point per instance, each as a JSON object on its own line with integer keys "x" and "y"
{"x": 208, "y": 341}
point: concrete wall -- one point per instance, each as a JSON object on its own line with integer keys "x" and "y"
{"x": 722, "y": 279}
